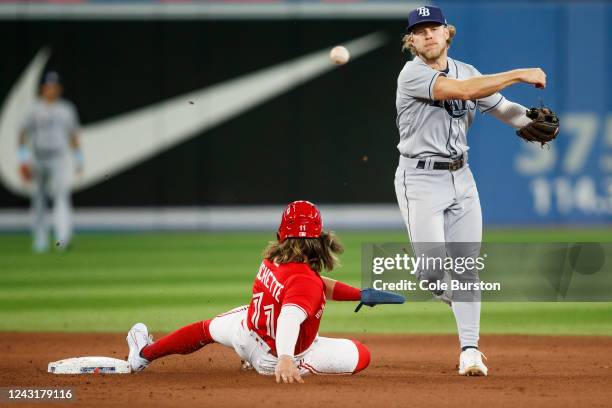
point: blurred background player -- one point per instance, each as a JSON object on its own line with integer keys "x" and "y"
{"x": 277, "y": 333}
{"x": 48, "y": 134}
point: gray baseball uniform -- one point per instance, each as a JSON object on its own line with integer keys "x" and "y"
{"x": 48, "y": 128}
{"x": 439, "y": 205}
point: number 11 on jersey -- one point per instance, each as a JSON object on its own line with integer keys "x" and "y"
{"x": 268, "y": 312}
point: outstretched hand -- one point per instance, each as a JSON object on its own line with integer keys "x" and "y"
{"x": 534, "y": 76}
{"x": 287, "y": 371}
{"x": 372, "y": 297}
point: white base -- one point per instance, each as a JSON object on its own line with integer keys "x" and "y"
{"x": 90, "y": 365}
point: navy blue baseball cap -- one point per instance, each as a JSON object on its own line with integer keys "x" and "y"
{"x": 51, "y": 77}
{"x": 425, "y": 14}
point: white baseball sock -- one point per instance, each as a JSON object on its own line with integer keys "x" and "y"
{"x": 467, "y": 316}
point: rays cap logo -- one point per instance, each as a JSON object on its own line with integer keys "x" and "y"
{"x": 425, "y": 14}
{"x": 423, "y": 11}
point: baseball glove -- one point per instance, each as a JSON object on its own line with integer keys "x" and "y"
{"x": 372, "y": 297}
{"x": 543, "y": 128}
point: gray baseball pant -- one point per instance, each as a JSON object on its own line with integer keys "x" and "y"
{"x": 52, "y": 178}
{"x": 440, "y": 207}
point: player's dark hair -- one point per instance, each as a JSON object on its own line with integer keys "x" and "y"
{"x": 319, "y": 253}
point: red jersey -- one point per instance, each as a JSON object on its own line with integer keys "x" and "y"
{"x": 286, "y": 284}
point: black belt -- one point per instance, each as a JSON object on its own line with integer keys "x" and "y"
{"x": 447, "y": 165}
{"x": 47, "y": 154}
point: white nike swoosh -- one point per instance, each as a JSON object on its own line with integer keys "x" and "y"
{"x": 113, "y": 145}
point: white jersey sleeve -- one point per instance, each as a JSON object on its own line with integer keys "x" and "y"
{"x": 288, "y": 329}
{"x": 416, "y": 80}
{"x": 487, "y": 103}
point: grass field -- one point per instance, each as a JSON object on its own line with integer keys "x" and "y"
{"x": 109, "y": 281}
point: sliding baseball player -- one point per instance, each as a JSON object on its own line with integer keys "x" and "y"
{"x": 277, "y": 333}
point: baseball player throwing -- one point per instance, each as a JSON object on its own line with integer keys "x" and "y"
{"x": 277, "y": 333}
{"x": 437, "y": 97}
{"x": 48, "y": 133}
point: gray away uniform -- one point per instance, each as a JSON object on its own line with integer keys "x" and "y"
{"x": 439, "y": 206}
{"x": 49, "y": 127}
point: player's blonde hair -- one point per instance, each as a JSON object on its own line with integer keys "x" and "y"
{"x": 319, "y": 253}
{"x": 407, "y": 43}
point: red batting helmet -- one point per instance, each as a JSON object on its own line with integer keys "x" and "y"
{"x": 301, "y": 219}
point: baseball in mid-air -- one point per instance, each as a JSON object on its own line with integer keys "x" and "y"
{"x": 339, "y": 55}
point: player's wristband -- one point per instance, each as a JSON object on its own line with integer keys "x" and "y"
{"x": 342, "y": 291}
{"x": 23, "y": 154}
{"x": 78, "y": 158}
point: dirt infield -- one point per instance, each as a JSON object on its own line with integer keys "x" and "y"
{"x": 406, "y": 371}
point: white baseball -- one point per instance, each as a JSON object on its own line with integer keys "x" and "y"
{"x": 339, "y": 55}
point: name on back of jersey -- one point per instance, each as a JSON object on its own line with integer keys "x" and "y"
{"x": 267, "y": 278}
